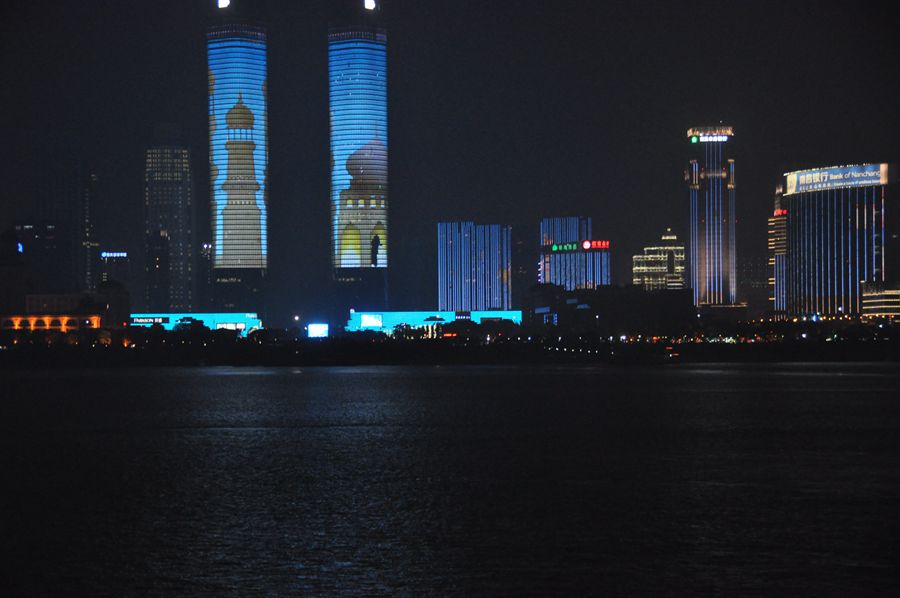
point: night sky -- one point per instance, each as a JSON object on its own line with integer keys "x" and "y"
{"x": 499, "y": 112}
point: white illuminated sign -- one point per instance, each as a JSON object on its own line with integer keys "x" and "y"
{"x": 713, "y": 138}
{"x": 113, "y": 254}
{"x": 369, "y": 4}
{"x": 224, "y": 3}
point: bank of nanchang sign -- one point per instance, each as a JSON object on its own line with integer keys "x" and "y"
{"x": 838, "y": 177}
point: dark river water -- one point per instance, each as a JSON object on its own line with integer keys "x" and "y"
{"x": 670, "y": 481}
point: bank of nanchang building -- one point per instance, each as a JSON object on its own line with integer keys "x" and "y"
{"x": 840, "y": 238}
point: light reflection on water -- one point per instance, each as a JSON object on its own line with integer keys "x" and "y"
{"x": 766, "y": 479}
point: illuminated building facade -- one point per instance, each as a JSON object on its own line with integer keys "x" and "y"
{"x": 357, "y": 92}
{"x": 711, "y": 185}
{"x": 581, "y": 264}
{"x": 387, "y": 321}
{"x": 474, "y": 266}
{"x": 835, "y": 237}
{"x": 777, "y": 246}
{"x": 48, "y": 322}
{"x": 242, "y": 322}
{"x": 169, "y": 229}
{"x": 239, "y": 158}
{"x": 881, "y": 300}
{"x": 357, "y": 97}
{"x": 585, "y": 267}
{"x": 660, "y": 266}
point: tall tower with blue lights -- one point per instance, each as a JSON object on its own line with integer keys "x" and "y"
{"x": 710, "y": 181}
{"x": 239, "y": 157}
{"x": 357, "y": 95}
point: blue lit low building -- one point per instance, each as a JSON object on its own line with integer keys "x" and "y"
{"x": 240, "y": 321}
{"x": 387, "y": 321}
{"x": 583, "y": 264}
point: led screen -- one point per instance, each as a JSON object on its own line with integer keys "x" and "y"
{"x": 836, "y": 178}
{"x": 357, "y": 71}
{"x": 238, "y": 137}
{"x": 317, "y": 331}
{"x": 370, "y": 321}
{"x": 242, "y": 322}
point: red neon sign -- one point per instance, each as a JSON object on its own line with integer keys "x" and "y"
{"x": 595, "y": 244}
{"x": 781, "y": 212}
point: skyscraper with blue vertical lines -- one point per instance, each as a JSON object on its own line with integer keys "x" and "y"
{"x": 710, "y": 180}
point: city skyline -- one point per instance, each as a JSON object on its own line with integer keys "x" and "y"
{"x": 450, "y": 121}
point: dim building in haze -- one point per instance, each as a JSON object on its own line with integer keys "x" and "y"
{"x": 169, "y": 231}
{"x": 115, "y": 266}
{"x": 711, "y": 186}
{"x": 89, "y": 246}
{"x": 660, "y": 266}
{"x": 239, "y": 158}
{"x": 836, "y": 229}
{"x": 473, "y": 266}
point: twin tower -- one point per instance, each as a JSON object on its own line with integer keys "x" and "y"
{"x": 239, "y": 155}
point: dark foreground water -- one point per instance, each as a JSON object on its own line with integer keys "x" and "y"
{"x": 669, "y": 481}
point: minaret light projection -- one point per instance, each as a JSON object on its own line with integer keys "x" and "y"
{"x": 357, "y": 76}
{"x": 238, "y": 136}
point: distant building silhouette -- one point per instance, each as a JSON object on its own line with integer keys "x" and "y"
{"x": 169, "y": 227}
{"x": 89, "y": 246}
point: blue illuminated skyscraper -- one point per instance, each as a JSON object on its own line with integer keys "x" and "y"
{"x": 836, "y": 237}
{"x": 710, "y": 179}
{"x": 357, "y": 93}
{"x": 239, "y": 157}
{"x": 570, "y": 257}
{"x": 474, "y": 266}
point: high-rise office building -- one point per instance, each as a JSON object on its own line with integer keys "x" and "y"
{"x": 157, "y": 269}
{"x": 115, "y": 266}
{"x": 570, "y": 257}
{"x": 89, "y": 249}
{"x": 239, "y": 158}
{"x": 169, "y": 214}
{"x": 357, "y": 95}
{"x": 777, "y": 246}
{"x": 710, "y": 180}
{"x": 473, "y": 266}
{"x": 835, "y": 237}
{"x": 660, "y": 266}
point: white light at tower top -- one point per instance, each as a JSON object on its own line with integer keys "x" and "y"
{"x": 369, "y": 4}
{"x": 224, "y": 3}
